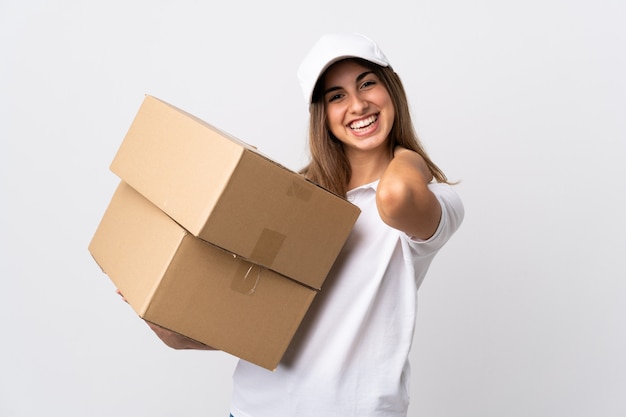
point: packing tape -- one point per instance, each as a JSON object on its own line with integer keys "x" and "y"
{"x": 246, "y": 279}
{"x": 299, "y": 191}
{"x": 248, "y": 274}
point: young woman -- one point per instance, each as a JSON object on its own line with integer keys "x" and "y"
{"x": 350, "y": 356}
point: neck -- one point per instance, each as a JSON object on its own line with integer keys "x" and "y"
{"x": 367, "y": 167}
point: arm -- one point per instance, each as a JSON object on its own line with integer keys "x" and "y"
{"x": 403, "y": 198}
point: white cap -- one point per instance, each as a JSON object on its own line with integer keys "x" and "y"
{"x": 332, "y": 48}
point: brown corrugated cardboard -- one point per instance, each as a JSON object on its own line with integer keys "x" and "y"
{"x": 187, "y": 285}
{"x": 228, "y": 194}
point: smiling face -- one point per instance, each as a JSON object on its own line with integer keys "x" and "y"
{"x": 360, "y": 112}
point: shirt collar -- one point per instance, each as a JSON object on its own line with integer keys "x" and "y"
{"x": 371, "y": 185}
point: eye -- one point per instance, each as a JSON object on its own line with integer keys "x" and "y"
{"x": 334, "y": 97}
{"x": 368, "y": 83}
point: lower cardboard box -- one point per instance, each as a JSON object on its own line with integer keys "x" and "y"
{"x": 194, "y": 288}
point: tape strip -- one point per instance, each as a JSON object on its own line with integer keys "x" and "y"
{"x": 248, "y": 274}
{"x": 267, "y": 247}
{"x": 299, "y": 191}
{"x": 246, "y": 278}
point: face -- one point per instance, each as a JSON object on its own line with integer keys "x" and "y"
{"x": 358, "y": 106}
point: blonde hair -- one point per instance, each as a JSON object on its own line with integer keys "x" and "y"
{"x": 329, "y": 165}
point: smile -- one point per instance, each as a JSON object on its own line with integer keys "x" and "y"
{"x": 364, "y": 123}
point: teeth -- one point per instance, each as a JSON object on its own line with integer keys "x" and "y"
{"x": 363, "y": 123}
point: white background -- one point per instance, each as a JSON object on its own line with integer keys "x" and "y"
{"x": 522, "y": 314}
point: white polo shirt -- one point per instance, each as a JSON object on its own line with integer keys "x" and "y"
{"x": 350, "y": 355}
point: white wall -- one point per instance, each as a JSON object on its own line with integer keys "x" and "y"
{"x": 525, "y": 102}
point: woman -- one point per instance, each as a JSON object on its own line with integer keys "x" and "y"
{"x": 350, "y": 356}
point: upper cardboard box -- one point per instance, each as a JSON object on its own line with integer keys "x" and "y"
{"x": 225, "y": 192}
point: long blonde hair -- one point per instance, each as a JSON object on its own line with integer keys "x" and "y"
{"x": 329, "y": 165}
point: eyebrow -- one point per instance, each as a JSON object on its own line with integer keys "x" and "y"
{"x": 358, "y": 79}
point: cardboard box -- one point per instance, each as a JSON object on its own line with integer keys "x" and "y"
{"x": 185, "y": 284}
{"x": 225, "y": 192}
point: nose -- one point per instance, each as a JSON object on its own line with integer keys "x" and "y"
{"x": 358, "y": 104}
